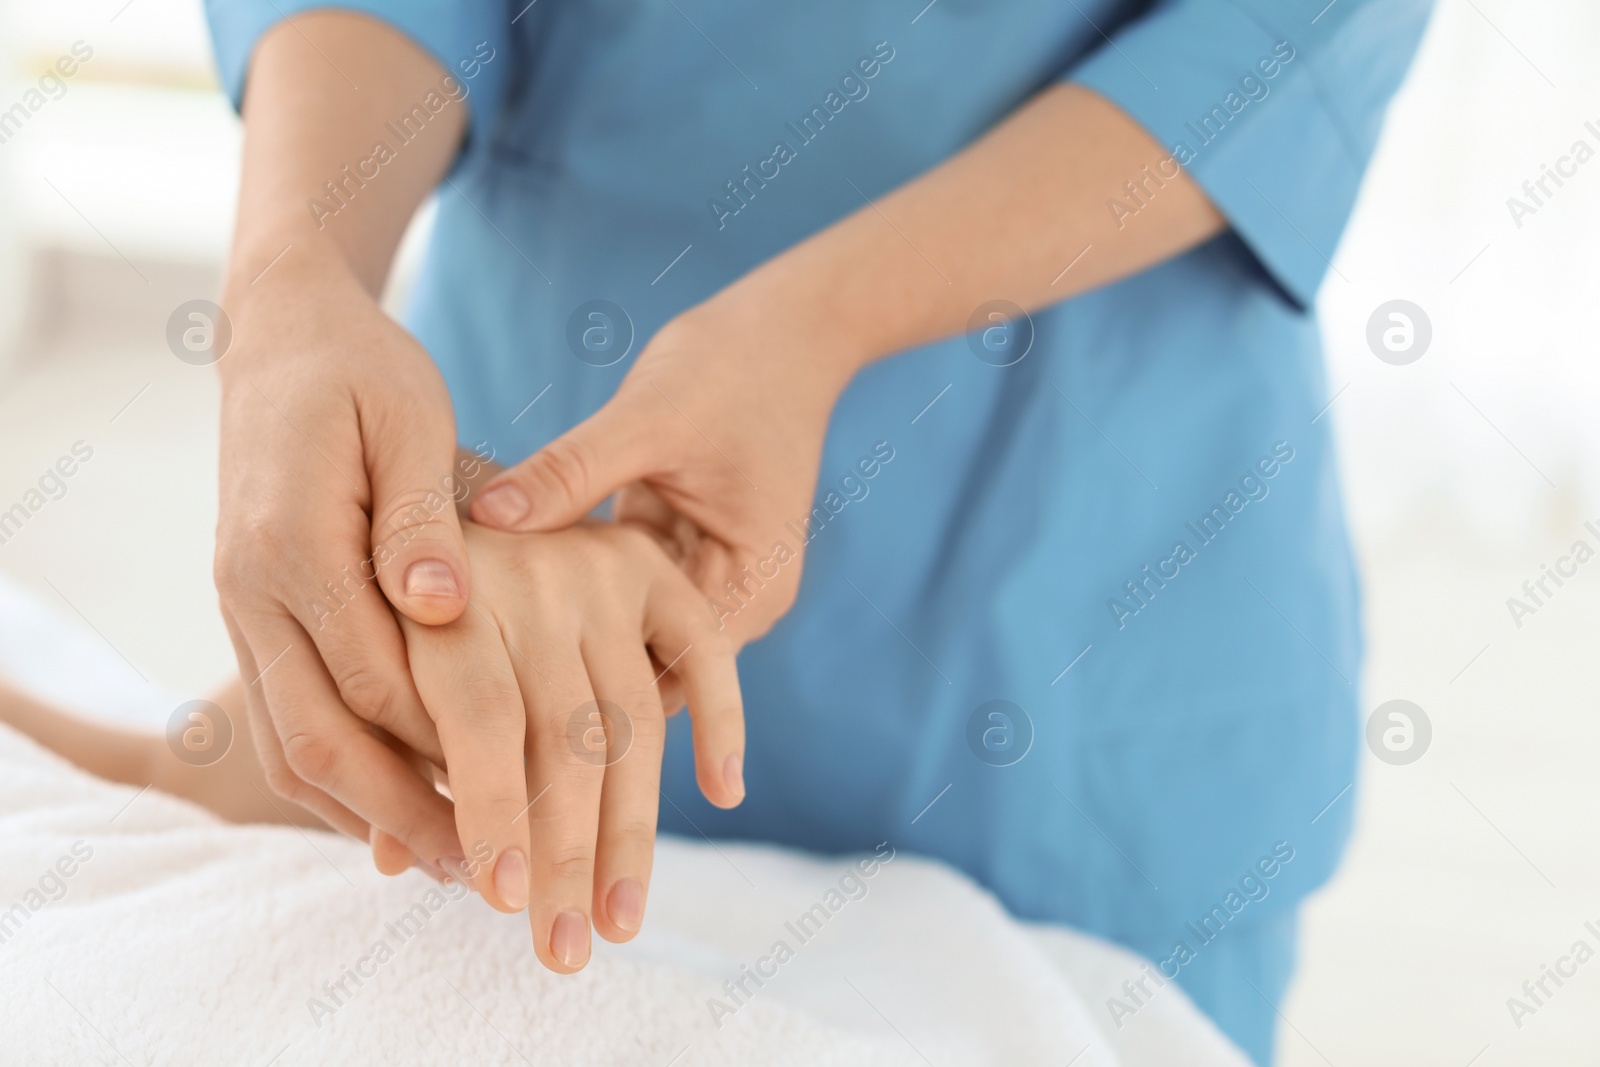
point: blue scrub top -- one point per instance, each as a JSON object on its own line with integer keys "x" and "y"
{"x": 1132, "y": 536}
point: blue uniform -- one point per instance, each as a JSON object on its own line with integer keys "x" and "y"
{"x": 1131, "y": 537}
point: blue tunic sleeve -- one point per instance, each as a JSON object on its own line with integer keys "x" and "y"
{"x": 468, "y": 38}
{"x": 1273, "y": 107}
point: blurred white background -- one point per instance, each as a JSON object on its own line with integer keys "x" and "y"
{"x": 1466, "y": 472}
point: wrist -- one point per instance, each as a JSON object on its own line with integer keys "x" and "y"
{"x": 796, "y": 309}
{"x": 850, "y": 295}
{"x": 275, "y": 280}
{"x": 269, "y": 254}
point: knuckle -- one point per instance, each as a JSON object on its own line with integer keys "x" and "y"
{"x": 282, "y": 781}
{"x": 272, "y": 538}
{"x": 406, "y": 829}
{"x": 225, "y": 572}
{"x": 232, "y": 570}
{"x": 570, "y": 738}
{"x": 564, "y": 465}
{"x": 710, "y": 641}
{"x": 635, "y": 830}
{"x": 410, "y": 515}
{"x": 649, "y": 726}
{"x": 311, "y": 756}
{"x": 366, "y": 693}
{"x": 256, "y": 549}
{"x": 491, "y": 710}
{"x": 261, "y": 532}
{"x": 535, "y": 576}
{"x": 571, "y": 863}
{"x": 491, "y": 694}
{"x": 499, "y": 800}
{"x": 624, "y": 538}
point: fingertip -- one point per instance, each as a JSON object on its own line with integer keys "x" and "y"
{"x": 625, "y": 907}
{"x": 454, "y": 869}
{"x": 389, "y": 856}
{"x": 503, "y": 505}
{"x": 569, "y": 940}
{"x": 724, "y": 789}
{"x": 511, "y": 880}
{"x": 434, "y": 592}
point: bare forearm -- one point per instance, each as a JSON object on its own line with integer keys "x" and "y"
{"x": 325, "y": 91}
{"x": 1002, "y": 219}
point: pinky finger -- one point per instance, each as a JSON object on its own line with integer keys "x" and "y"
{"x": 388, "y": 854}
{"x": 703, "y": 661}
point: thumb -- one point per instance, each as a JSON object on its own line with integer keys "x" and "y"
{"x": 417, "y": 547}
{"x": 570, "y": 476}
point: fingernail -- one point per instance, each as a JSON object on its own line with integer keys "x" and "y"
{"x": 569, "y": 938}
{"x": 511, "y": 878}
{"x": 504, "y": 504}
{"x": 451, "y": 867}
{"x": 430, "y": 870}
{"x": 733, "y": 774}
{"x": 625, "y": 905}
{"x": 429, "y": 577}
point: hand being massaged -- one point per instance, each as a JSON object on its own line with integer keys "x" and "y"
{"x": 546, "y": 700}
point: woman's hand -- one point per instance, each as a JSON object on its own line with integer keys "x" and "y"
{"x": 717, "y": 429}
{"x": 714, "y": 438}
{"x": 545, "y": 696}
{"x": 337, "y": 433}
{"x": 331, "y": 414}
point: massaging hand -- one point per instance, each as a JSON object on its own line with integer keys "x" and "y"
{"x": 547, "y": 707}
{"x": 332, "y": 413}
{"x": 735, "y": 394}
{"x": 714, "y": 438}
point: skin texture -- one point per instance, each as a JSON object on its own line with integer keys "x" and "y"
{"x": 336, "y": 425}
{"x": 550, "y": 790}
{"x": 557, "y": 799}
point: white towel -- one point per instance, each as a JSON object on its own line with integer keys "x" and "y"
{"x": 136, "y": 928}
